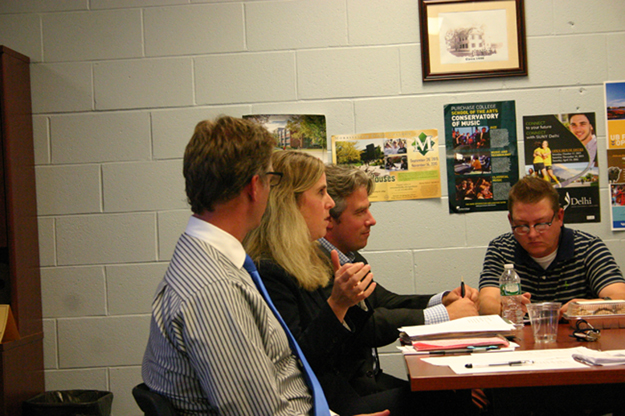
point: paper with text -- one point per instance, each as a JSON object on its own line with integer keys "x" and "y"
{"x": 551, "y": 359}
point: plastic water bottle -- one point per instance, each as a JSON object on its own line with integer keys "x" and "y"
{"x": 510, "y": 290}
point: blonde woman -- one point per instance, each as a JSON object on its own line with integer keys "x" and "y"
{"x": 295, "y": 271}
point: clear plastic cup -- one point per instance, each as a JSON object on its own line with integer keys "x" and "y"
{"x": 544, "y": 320}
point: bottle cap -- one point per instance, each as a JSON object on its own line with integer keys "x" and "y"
{"x": 508, "y": 266}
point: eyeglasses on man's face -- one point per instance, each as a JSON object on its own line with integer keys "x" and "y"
{"x": 274, "y": 178}
{"x": 540, "y": 227}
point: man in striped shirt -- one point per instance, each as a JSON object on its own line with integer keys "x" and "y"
{"x": 555, "y": 263}
{"x": 214, "y": 346}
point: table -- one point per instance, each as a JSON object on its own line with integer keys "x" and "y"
{"x": 424, "y": 376}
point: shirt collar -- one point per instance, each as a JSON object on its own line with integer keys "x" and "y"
{"x": 343, "y": 258}
{"x": 565, "y": 250}
{"x": 224, "y": 242}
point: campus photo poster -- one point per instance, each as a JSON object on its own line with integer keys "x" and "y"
{"x": 562, "y": 149}
{"x": 303, "y": 132}
{"x": 615, "y": 128}
{"x": 403, "y": 164}
{"x": 482, "y": 158}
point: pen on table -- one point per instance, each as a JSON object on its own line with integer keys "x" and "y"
{"x": 462, "y": 290}
{"x": 508, "y": 363}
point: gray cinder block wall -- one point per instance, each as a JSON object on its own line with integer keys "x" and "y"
{"x": 118, "y": 85}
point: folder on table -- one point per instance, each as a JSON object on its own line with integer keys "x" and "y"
{"x": 451, "y": 344}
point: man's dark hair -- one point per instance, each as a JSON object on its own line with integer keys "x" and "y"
{"x": 589, "y": 116}
{"x": 342, "y": 182}
{"x": 221, "y": 158}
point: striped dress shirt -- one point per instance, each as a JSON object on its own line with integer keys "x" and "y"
{"x": 582, "y": 268}
{"x": 215, "y": 347}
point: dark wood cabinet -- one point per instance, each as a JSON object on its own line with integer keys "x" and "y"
{"x": 21, "y": 361}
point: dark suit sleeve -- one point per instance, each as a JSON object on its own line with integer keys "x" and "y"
{"x": 308, "y": 315}
{"x": 391, "y": 311}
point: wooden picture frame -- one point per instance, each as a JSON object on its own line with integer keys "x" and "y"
{"x": 463, "y": 39}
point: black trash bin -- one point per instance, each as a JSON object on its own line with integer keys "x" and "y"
{"x": 69, "y": 403}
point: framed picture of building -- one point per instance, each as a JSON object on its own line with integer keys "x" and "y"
{"x": 463, "y": 39}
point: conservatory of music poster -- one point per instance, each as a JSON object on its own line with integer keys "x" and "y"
{"x": 482, "y": 159}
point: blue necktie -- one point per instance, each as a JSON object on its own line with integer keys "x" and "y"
{"x": 319, "y": 399}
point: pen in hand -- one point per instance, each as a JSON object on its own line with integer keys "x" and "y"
{"x": 462, "y": 290}
{"x": 508, "y": 363}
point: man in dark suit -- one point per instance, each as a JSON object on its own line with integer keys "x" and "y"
{"x": 348, "y": 232}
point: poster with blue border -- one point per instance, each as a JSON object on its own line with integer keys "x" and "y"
{"x": 482, "y": 156}
{"x": 615, "y": 128}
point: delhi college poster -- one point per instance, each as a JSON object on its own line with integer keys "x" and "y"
{"x": 562, "y": 149}
{"x": 482, "y": 160}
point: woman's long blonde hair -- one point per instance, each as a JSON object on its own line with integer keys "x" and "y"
{"x": 283, "y": 236}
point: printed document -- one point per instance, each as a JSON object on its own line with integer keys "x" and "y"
{"x": 486, "y": 324}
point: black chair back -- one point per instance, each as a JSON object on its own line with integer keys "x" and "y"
{"x": 152, "y": 404}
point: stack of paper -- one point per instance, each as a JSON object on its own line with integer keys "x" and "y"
{"x": 472, "y": 326}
